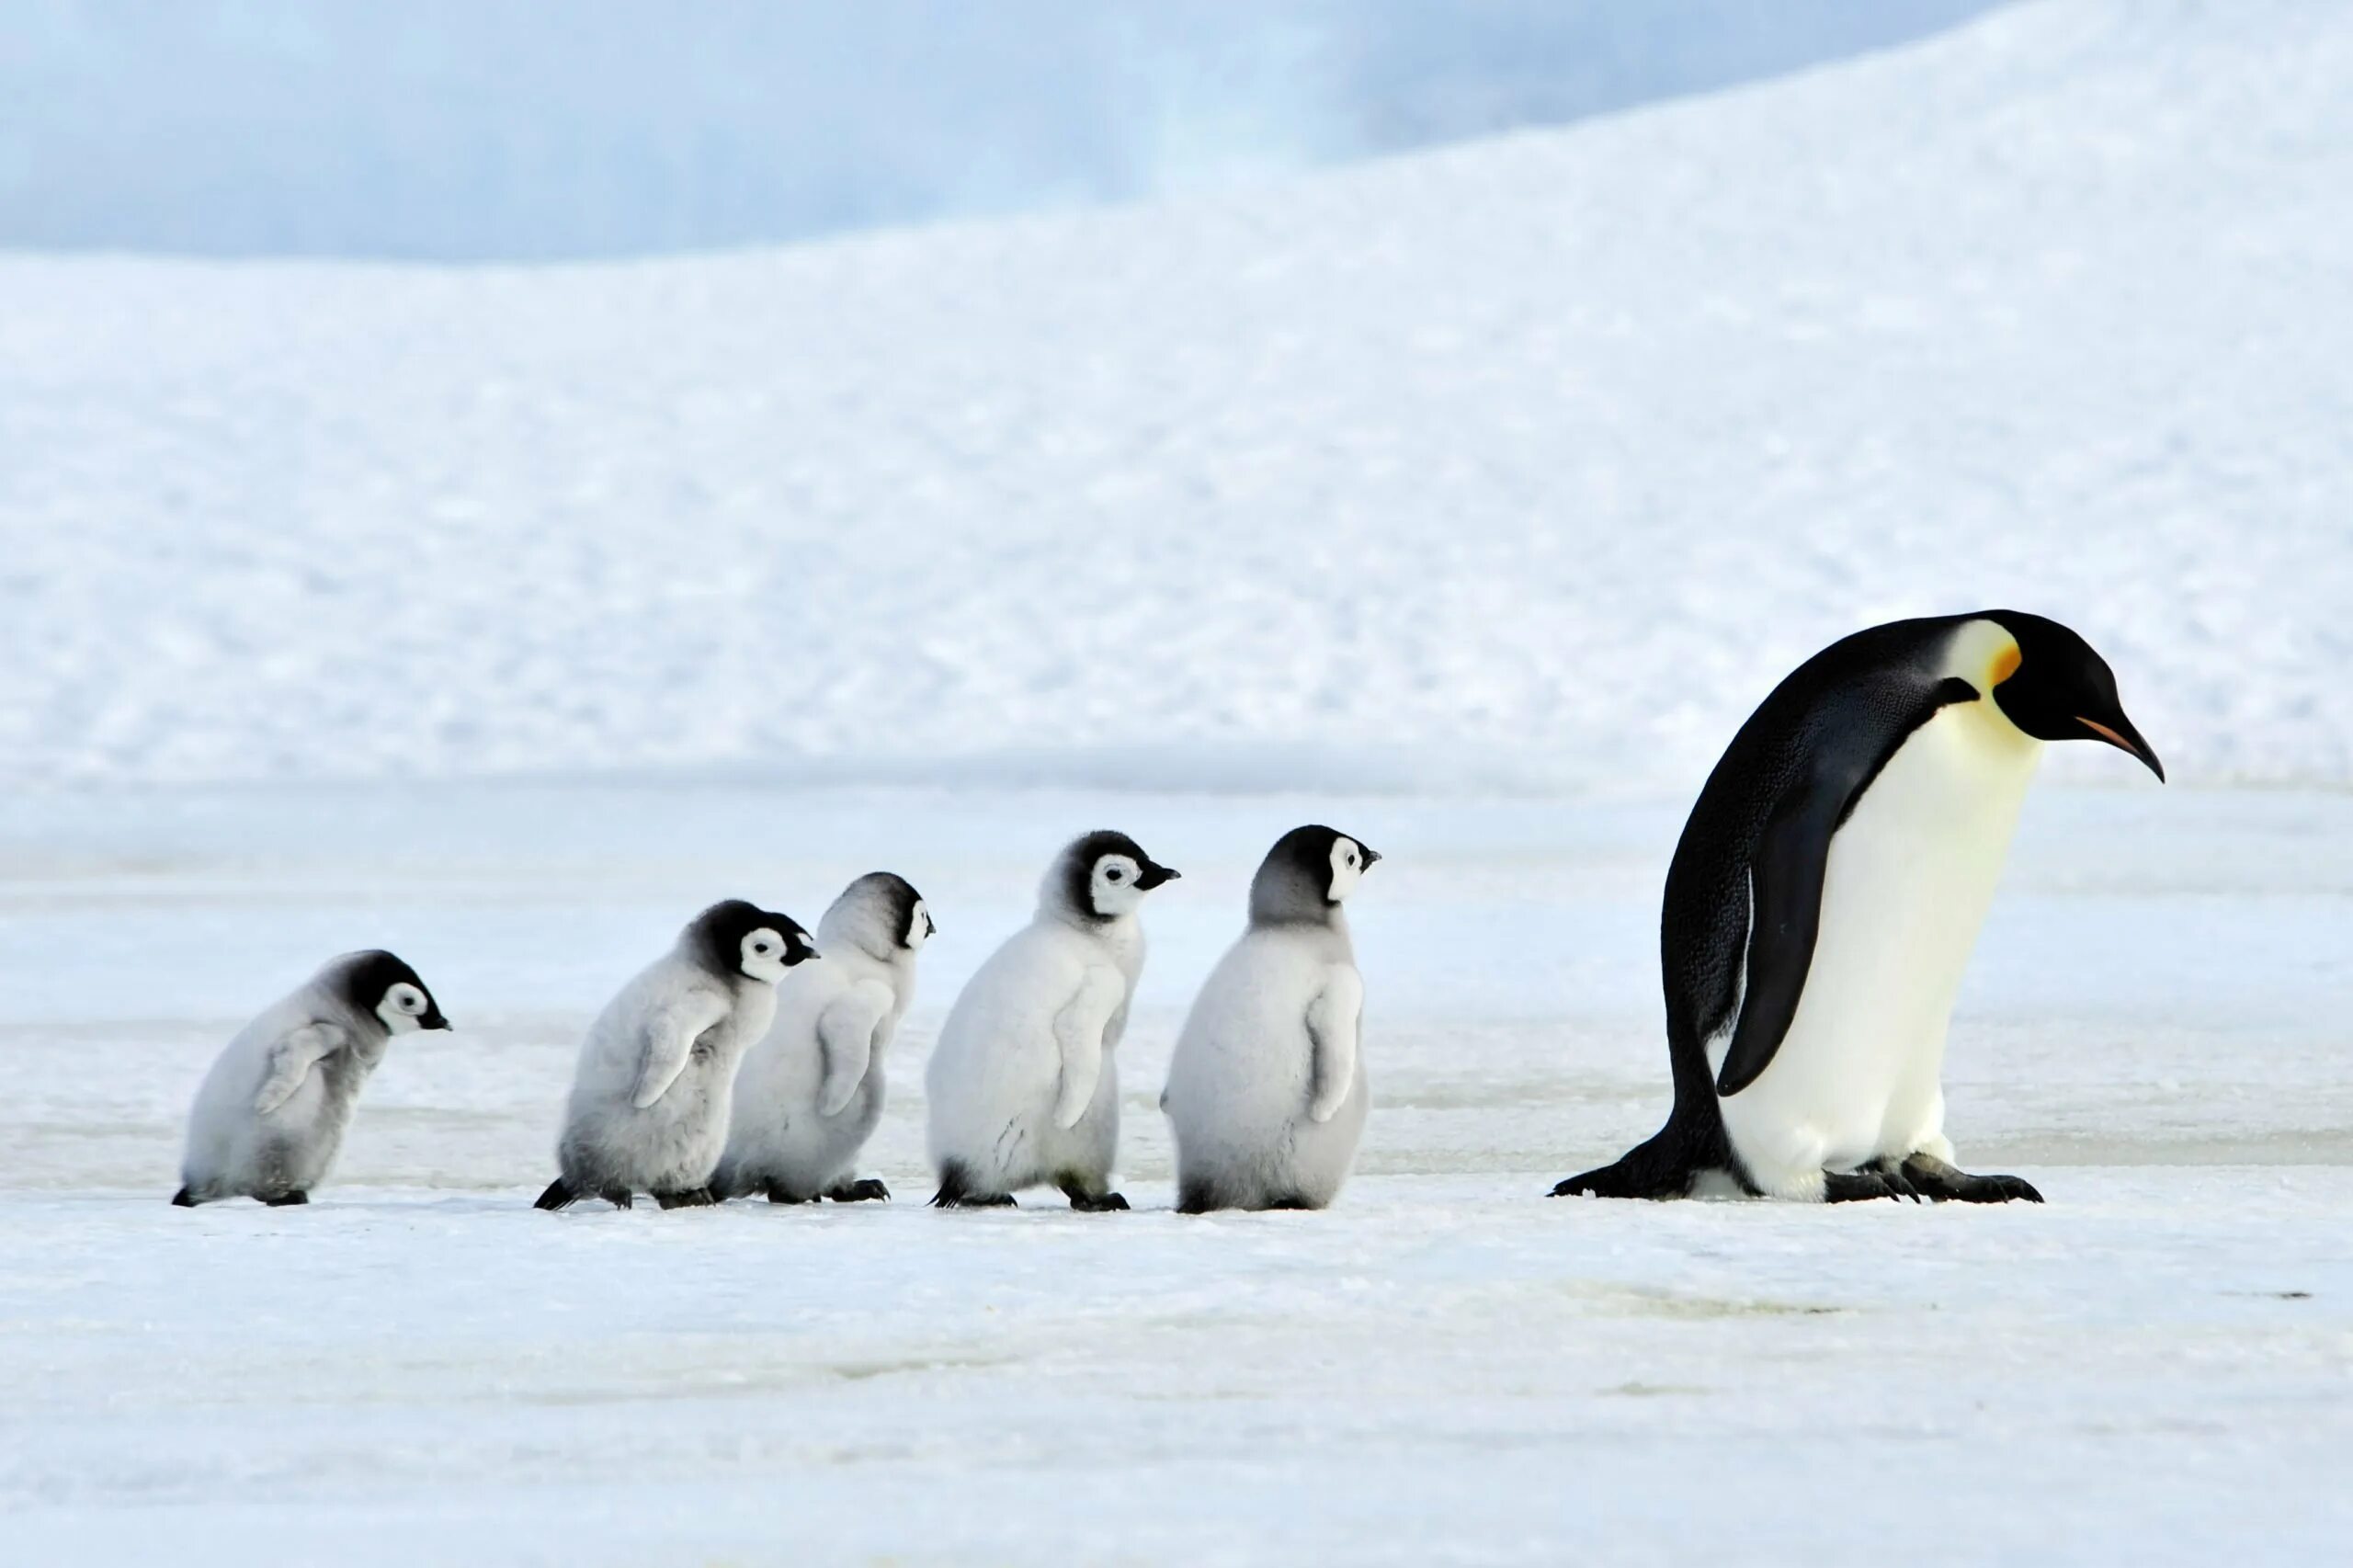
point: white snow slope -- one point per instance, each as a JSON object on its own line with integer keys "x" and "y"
{"x": 1529, "y": 464}
{"x": 470, "y": 129}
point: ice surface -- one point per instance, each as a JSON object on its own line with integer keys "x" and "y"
{"x": 1448, "y": 1370}
{"x": 1530, "y": 464}
{"x": 2156, "y": 1366}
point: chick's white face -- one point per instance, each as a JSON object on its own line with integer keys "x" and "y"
{"x": 402, "y": 1008}
{"x": 765, "y": 954}
{"x": 1113, "y": 889}
{"x": 919, "y": 927}
{"x": 1348, "y": 867}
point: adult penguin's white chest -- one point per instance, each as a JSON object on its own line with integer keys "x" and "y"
{"x": 1906, "y": 889}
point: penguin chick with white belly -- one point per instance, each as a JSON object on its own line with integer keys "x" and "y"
{"x": 811, "y": 1092}
{"x": 650, "y": 1097}
{"x": 1022, "y": 1085}
{"x": 269, "y": 1118}
{"x": 1266, "y": 1092}
{"x": 1824, "y": 899}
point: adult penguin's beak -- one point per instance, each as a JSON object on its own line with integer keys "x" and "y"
{"x": 2117, "y": 732}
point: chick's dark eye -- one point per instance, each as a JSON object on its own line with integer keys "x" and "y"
{"x": 1116, "y": 876}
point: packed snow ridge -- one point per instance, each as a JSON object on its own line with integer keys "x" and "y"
{"x": 1529, "y": 464}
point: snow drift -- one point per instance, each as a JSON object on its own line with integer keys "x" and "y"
{"x": 474, "y": 130}
{"x": 1531, "y": 463}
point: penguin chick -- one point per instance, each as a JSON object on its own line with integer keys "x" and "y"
{"x": 648, "y": 1098}
{"x": 811, "y": 1091}
{"x": 1022, "y": 1085}
{"x": 1266, "y": 1090}
{"x": 269, "y": 1118}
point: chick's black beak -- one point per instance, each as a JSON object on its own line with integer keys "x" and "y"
{"x": 1153, "y": 876}
{"x": 2119, "y": 733}
{"x": 1372, "y": 856}
{"x": 434, "y": 1020}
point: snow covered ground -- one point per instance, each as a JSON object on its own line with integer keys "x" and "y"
{"x": 1530, "y": 463}
{"x": 2156, "y": 1367}
{"x": 506, "y": 616}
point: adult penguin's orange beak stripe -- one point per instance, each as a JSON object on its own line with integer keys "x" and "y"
{"x": 2127, "y": 739}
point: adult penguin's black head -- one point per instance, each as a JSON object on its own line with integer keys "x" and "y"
{"x": 2059, "y": 690}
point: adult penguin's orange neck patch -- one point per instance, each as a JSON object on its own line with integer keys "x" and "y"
{"x": 2005, "y": 663}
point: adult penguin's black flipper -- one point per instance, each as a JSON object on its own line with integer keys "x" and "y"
{"x": 1785, "y": 914}
{"x": 1786, "y": 869}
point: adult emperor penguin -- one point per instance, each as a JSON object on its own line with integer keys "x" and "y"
{"x": 269, "y": 1118}
{"x": 811, "y": 1091}
{"x": 1022, "y": 1083}
{"x": 1266, "y": 1091}
{"x": 648, "y": 1098}
{"x": 1824, "y": 899}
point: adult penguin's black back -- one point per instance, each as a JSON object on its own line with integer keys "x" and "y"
{"x": 1746, "y": 894}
